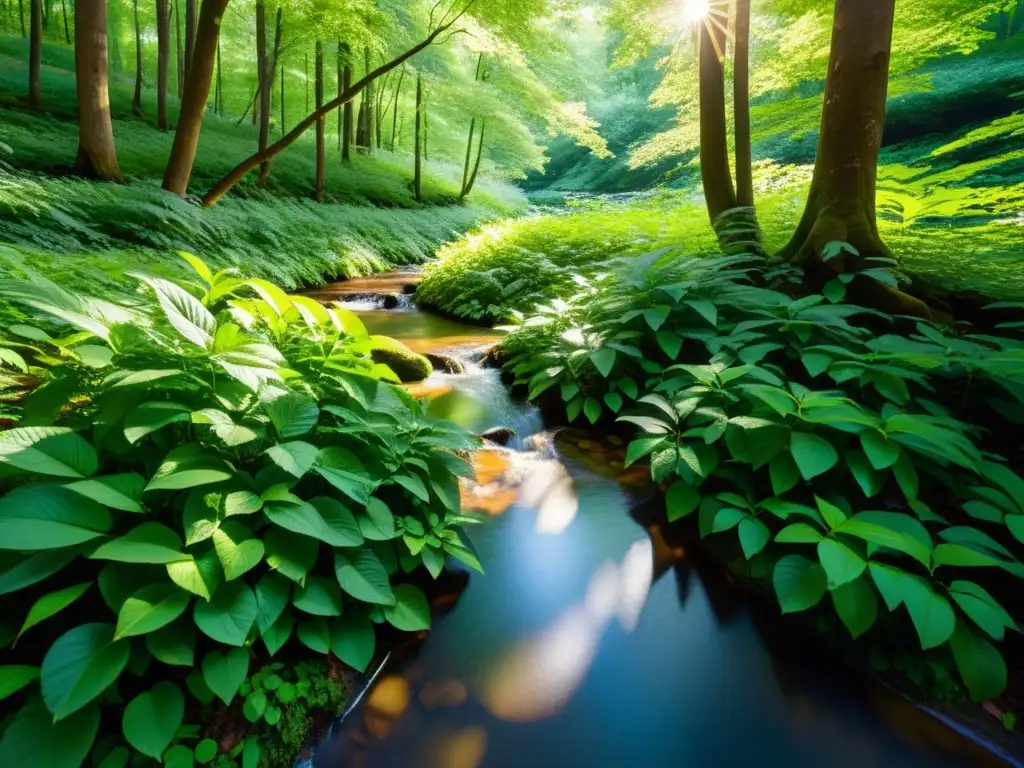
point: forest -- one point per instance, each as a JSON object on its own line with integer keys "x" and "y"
{"x": 328, "y": 328}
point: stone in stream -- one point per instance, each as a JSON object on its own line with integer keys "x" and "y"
{"x": 407, "y": 365}
{"x": 390, "y": 301}
{"x": 446, "y": 363}
{"x": 498, "y": 435}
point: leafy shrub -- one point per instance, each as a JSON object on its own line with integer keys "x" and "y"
{"x": 228, "y": 460}
{"x": 846, "y": 459}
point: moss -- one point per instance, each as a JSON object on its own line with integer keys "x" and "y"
{"x": 407, "y": 365}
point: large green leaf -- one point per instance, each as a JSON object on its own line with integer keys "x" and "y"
{"x": 237, "y": 553}
{"x": 13, "y": 678}
{"x": 753, "y": 536}
{"x": 122, "y": 492}
{"x": 187, "y": 466}
{"x": 146, "y": 543}
{"x": 292, "y": 415}
{"x": 814, "y": 455}
{"x": 48, "y": 605}
{"x": 841, "y": 563}
{"x": 868, "y": 478}
{"x": 983, "y": 609}
{"x": 352, "y": 639}
{"x": 33, "y": 738}
{"x": 322, "y": 518}
{"x": 784, "y": 473}
{"x": 79, "y": 666}
{"x": 275, "y": 636}
{"x": 931, "y": 613}
{"x": 319, "y": 597}
{"x": 151, "y": 719}
{"x": 856, "y": 605}
{"x": 315, "y": 634}
{"x": 886, "y": 529}
{"x": 979, "y": 662}
{"x": 225, "y": 673}
{"x": 48, "y": 451}
{"x": 34, "y": 517}
{"x": 881, "y": 452}
{"x": 603, "y": 360}
{"x": 799, "y": 583}
{"x": 410, "y": 611}
{"x": 229, "y": 615}
{"x": 342, "y": 469}
{"x": 799, "y": 533}
{"x": 151, "y": 608}
{"x": 18, "y": 572}
{"x": 183, "y": 311}
{"x": 681, "y": 500}
{"x": 962, "y": 556}
{"x": 273, "y": 592}
{"x": 174, "y": 644}
{"x": 362, "y": 575}
{"x": 290, "y": 554}
{"x": 296, "y": 458}
{"x": 149, "y": 417}
{"x": 199, "y": 575}
{"x": 378, "y": 524}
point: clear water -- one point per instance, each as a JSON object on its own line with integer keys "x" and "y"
{"x": 591, "y": 642}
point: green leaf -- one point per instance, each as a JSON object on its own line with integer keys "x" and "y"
{"x": 642, "y": 446}
{"x": 979, "y": 662}
{"x": 671, "y": 343}
{"x": 255, "y": 705}
{"x": 321, "y": 518}
{"x": 414, "y": 485}
{"x": 229, "y": 615}
{"x": 753, "y": 536}
{"x": 237, "y": 554}
{"x": 290, "y": 554}
{"x": 188, "y": 466}
{"x": 183, "y": 311}
{"x": 292, "y": 415}
{"x": 868, "y": 478}
{"x": 315, "y": 634}
{"x": 798, "y": 533}
{"x": 681, "y": 500}
{"x": 296, "y": 458}
{"x": 410, "y": 611}
{"x": 277, "y": 635}
{"x": 931, "y": 613}
{"x": 592, "y": 410}
{"x": 728, "y": 518}
{"x": 982, "y": 608}
{"x": 784, "y": 473}
{"x": 149, "y": 417}
{"x": 206, "y": 750}
{"x": 122, "y": 492}
{"x": 363, "y": 576}
{"x": 48, "y": 451}
{"x": 778, "y": 399}
{"x": 225, "y": 673}
{"x": 200, "y": 576}
{"x": 151, "y": 608}
{"x": 146, "y": 543}
{"x": 841, "y": 563}
{"x": 705, "y": 309}
{"x": 655, "y": 317}
{"x": 174, "y": 644}
{"x": 251, "y": 746}
{"x": 19, "y": 572}
{"x": 51, "y": 604}
{"x": 352, "y": 639}
{"x": 377, "y": 524}
{"x": 33, "y": 738}
{"x": 178, "y": 756}
{"x": 813, "y": 455}
{"x": 857, "y": 606}
{"x": 344, "y": 471}
{"x": 79, "y": 666}
{"x": 603, "y": 360}
{"x": 962, "y": 556}
{"x": 319, "y": 597}
{"x": 799, "y": 583}
{"x": 881, "y": 528}
{"x": 35, "y": 517}
{"x": 1015, "y": 523}
{"x": 152, "y": 718}
{"x": 13, "y": 678}
{"x": 880, "y": 451}
{"x": 272, "y": 596}
{"x": 614, "y": 401}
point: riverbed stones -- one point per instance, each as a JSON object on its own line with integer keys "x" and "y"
{"x": 390, "y": 301}
{"x": 498, "y": 435}
{"x": 446, "y": 363}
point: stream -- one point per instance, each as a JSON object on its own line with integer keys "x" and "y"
{"x": 590, "y": 641}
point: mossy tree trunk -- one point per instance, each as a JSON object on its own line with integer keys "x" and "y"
{"x": 137, "y": 96}
{"x": 97, "y": 157}
{"x": 35, "y": 56}
{"x": 163, "y": 42}
{"x": 318, "y": 67}
{"x": 197, "y": 92}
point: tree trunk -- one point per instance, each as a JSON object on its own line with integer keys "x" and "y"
{"x": 266, "y": 67}
{"x": 197, "y": 92}
{"x": 137, "y": 97}
{"x": 163, "y": 38}
{"x": 370, "y": 92}
{"x": 426, "y": 134}
{"x": 340, "y": 79}
{"x": 305, "y": 72}
{"x": 190, "y": 33}
{"x": 21, "y": 16}
{"x": 476, "y": 166}
{"x": 347, "y": 126}
{"x": 35, "y": 56}
{"x": 741, "y": 106}
{"x": 64, "y": 13}
{"x": 96, "y": 155}
{"x": 417, "y": 179}
{"x": 394, "y": 117}
{"x": 219, "y": 100}
{"x": 318, "y": 66}
{"x": 714, "y": 149}
{"x": 282, "y": 99}
{"x": 179, "y": 57}
{"x": 469, "y": 157}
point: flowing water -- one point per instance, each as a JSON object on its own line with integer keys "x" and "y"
{"x": 591, "y": 642}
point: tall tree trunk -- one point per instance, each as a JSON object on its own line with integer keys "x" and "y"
{"x": 96, "y": 155}
{"x": 318, "y": 66}
{"x": 197, "y": 92}
{"x": 426, "y": 133}
{"x": 394, "y": 117}
{"x": 371, "y": 91}
{"x": 417, "y": 179}
{"x": 35, "y": 56}
{"x": 476, "y": 166}
{"x": 163, "y": 42}
{"x": 262, "y": 96}
{"x": 64, "y": 13}
{"x": 21, "y": 16}
{"x": 137, "y": 97}
{"x": 741, "y": 106}
{"x": 282, "y": 99}
{"x": 469, "y": 157}
{"x": 305, "y": 71}
{"x": 219, "y": 96}
{"x": 347, "y": 112}
{"x": 179, "y": 57}
{"x": 267, "y": 63}
{"x": 340, "y": 79}
{"x": 190, "y": 33}
{"x": 716, "y": 175}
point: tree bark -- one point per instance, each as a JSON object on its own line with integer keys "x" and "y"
{"x": 190, "y": 33}
{"x": 417, "y": 180}
{"x": 282, "y": 99}
{"x": 163, "y": 38}
{"x": 179, "y": 57}
{"x": 714, "y": 149}
{"x": 741, "y": 106}
{"x": 239, "y": 171}
{"x": 219, "y": 96}
{"x": 197, "y": 92}
{"x": 476, "y": 166}
{"x": 35, "y": 56}
{"x": 267, "y": 66}
{"x": 340, "y": 79}
{"x": 318, "y": 66}
{"x": 347, "y": 112}
{"x": 137, "y": 97}
{"x": 394, "y": 117}
{"x": 64, "y": 12}
{"x": 305, "y": 72}
{"x": 97, "y": 157}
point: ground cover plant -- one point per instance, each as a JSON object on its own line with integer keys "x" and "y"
{"x": 182, "y": 502}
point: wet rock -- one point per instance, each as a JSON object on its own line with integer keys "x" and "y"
{"x": 407, "y": 365}
{"x": 390, "y": 301}
{"x": 494, "y": 357}
{"x": 498, "y": 435}
{"x": 446, "y": 363}
{"x": 410, "y": 288}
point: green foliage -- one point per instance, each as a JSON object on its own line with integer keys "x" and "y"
{"x": 225, "y": 472}
{"x": 809, "y": 431}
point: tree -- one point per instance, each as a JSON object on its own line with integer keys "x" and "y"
{"x": 64, "y": 13}
{"x": 179, "y": 56}
{"x": 197, "y": 92}
{"x": 318, "y": 66}
{"x": 394, "y": 116}
{"x": 716, "y": 177}
{"x": 96, "y": 155}
{"x": 266, "y": 63}
{"x": 418, "y": 162}
{"x": 35, "y": 56}
{"x": 348, "y": 116}
{"x": 137, "y": 97}
{"x": 163, "y": 38}
{"x": 190, "y": 32}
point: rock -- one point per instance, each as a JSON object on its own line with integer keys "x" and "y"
{"x": 410, "y": 288}
{"x": 407, "y": 365}
{"x": 498, "y": 435}
{"x": 391, "y": 301}
{"x": 446, "y": 363}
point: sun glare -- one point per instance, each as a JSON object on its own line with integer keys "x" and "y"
{"x": 695, "y": 10}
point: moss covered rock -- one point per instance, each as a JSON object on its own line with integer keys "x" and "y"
{"x": 407, "y": 365}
